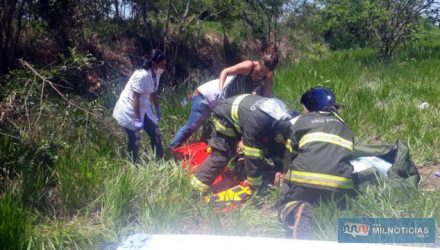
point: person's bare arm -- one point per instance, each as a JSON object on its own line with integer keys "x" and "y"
{"x": 154, "y": 99}
{"x": 268, "y": 85}
{"x": 242, "y": 68}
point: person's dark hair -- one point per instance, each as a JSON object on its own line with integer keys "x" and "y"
{"x": 155, "y": 56}
{"x": 270, "y": 61}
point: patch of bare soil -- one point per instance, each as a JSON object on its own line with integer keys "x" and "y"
{"x": 428, "y": 179}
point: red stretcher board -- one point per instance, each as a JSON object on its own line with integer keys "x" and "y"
{"x": 226, "y": 188}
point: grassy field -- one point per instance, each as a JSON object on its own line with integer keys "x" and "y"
{"x": 75, "y": 190}
{"x": 379, "y": 102}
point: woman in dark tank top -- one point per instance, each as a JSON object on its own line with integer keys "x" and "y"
{"x": 250, "y": 75}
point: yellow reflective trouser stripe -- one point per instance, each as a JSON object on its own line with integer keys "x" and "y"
{"x": 324, "y": 137}
{"x": 255, "y": 181}
{"x": 197, "y": 184}
{"x": 219, "y": 127}
{"x": 234, "y": 110}
{"x": 282, "y": 214}
{"x": 319, "y": 179}
{"x": 254, "y": 152}
{"x": 289, "y": 145}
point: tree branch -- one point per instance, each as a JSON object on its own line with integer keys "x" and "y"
{"x": 52, "y": 85}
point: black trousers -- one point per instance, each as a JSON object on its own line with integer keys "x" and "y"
{"x": 223, "y": 148}
{"x": 134, "y": 138}
{"x": 296, "y": 203}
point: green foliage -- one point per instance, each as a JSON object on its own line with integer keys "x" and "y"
{"x": 27, "y": 170}
{"x": 109, "y": 30}
{"x": 15, "y": 223}
{"x": 343, "y": 24}
{"x": 74, "y": 234}
{"x": 68, "y": 185}
{"x": 382, "y": 24}
{"x": 176, "y": 106}
{"x": 379, "y": 102}
{"x": 225, "y": 12}
{"x": 377, "y": 202}
{"x": 80, "y": 181}
{"x": 303, "y": 16}
{"x": 212, "y": 28}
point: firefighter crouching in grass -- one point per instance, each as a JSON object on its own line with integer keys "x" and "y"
{"x": 251, "y": 118}
{"x": 322, "y": 145}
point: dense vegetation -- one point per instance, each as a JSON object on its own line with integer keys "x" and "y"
{"x": 64, "y": 178}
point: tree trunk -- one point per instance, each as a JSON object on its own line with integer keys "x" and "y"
{"x": 167, "y": 26}
{"x": 147, "y": 26}
{"x": 275, "y": 31}
{"x": 116, "y": 3}
{"x": 269, "y": 31}
{"x": 198, "y": 31}
{"x": 178, "y": 41}
{"x": 4, "y": 61}
{"x": 19, "y": 24}
{"x": 9, "y": 33}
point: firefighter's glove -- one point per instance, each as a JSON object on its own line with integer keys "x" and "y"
{"x": 240, "y": 147}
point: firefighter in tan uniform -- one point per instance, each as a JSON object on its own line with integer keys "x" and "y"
{"x": 322, "y": 145}
{"x": 255, "y": 120}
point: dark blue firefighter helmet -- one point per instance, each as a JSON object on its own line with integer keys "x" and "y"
{"x": 319, "y": 99}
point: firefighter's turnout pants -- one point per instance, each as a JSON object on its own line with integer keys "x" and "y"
{"x": 296, "y": 204}
{"x": 223, "y": 148}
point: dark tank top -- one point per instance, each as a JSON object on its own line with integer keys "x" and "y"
{"x": 242, "y": 84}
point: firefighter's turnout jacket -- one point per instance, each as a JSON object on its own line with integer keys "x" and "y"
{"x": 235, "y": 118}
{"x": 323, "y": 144}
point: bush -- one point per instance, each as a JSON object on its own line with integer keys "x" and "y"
{"x": 27, "y": 170}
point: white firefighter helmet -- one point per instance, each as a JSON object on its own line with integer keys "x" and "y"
{"x": 275, "y": 108}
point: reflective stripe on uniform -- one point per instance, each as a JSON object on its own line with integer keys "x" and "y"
{"x": 219, "y": 127}
{"x": 318, "y": 179}
{"x": 338, "y": 116}
{"x": 197, "y": 184}
{"x": 324, "y": 137}
{"x": 288, "y": 205}
{"x": 255, "y": 181}
{"x": 234, "y": 111}
{"x": 253, "y": 152}
{"x": 289, "y": 145}
{"x": 286, "y": 210}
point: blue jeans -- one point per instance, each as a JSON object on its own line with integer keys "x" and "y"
{"x": 200, "y": 111}
{"x": 153, "y": 132}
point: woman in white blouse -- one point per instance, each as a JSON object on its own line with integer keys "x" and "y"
{"x": 133, "y": 109}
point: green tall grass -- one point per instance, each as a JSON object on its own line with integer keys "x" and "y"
{"x": 93, "y": 197}
{"x": 378, "y": 202}
{"x": 379, "y": 102}
{"x": 15, "y": 223}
